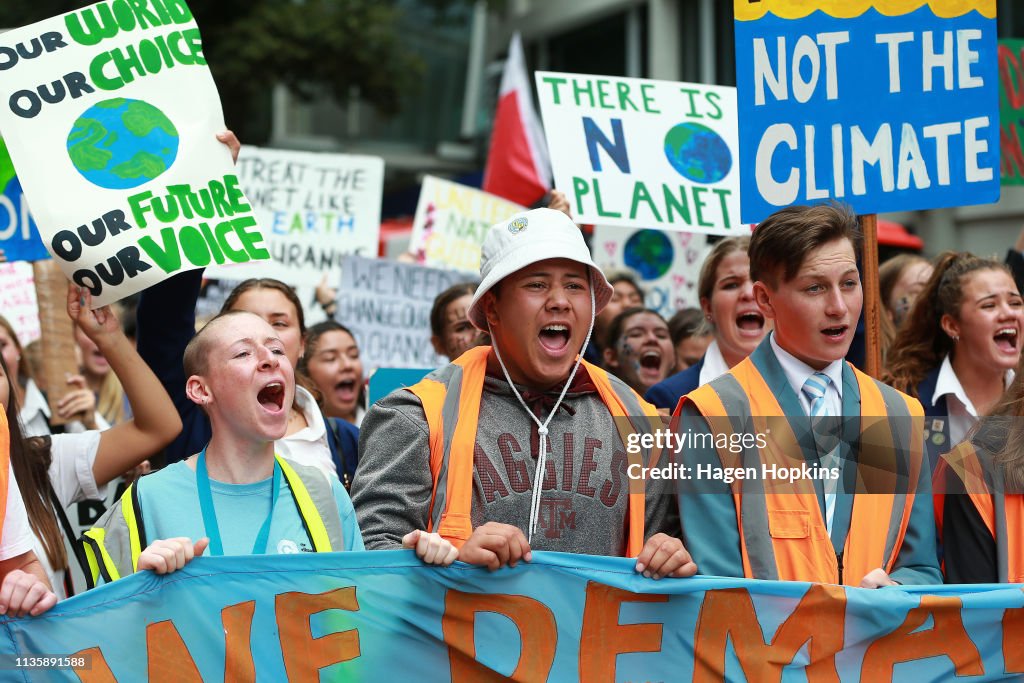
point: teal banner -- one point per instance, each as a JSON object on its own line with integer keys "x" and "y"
{"x": 386, "y": 616}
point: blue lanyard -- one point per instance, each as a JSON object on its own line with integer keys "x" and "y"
{"x": 210, "y": 514}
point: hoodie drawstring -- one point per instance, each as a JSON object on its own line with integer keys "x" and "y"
{"x": 542, "y": 427}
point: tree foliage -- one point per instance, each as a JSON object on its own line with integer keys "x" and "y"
{"x": 311, "y": 46}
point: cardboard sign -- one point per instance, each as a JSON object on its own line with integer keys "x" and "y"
{"x": 387, "y": 306}
{"x": 451, "y": 223}
{"x": 883, "y": 104}
{"x": 668, "y": 263}
{"x": 643, "y": 153}
{"x": 110, "y": 115}
{"x": 314, "y": 209}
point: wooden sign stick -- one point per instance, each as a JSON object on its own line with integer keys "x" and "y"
{"x": 872, "y": 299}
{"x": 57, "y": 339}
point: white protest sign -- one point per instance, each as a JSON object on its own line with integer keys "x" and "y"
{"x": 18, "y": 300}
{"x": 314, "y": 209}
{"x": 643, "y": 153}
{"x": 387, "y": 306}
{"x": 451, "y": 223}
{"x": 110, "y": 115}
{"x": 667, "y": 262}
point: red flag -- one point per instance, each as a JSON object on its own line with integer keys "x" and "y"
{"x": 518, "y": 166}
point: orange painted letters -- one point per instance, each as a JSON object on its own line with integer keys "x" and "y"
{"x": 819, "y": 617}
{"x": 303, "y": 654}
{"x": 604, "y": 637}
{"x": 946, "y": 637}
{"x": 537, "y": 633}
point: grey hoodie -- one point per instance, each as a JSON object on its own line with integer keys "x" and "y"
{"x": 585, "y": 488}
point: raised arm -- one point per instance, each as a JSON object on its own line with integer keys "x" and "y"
{"x": 155, "y": 421}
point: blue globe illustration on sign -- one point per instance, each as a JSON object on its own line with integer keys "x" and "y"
{"x": 649, "y": 253}
{"x": 120, "y": 144}
{"x": 698, "y": 153}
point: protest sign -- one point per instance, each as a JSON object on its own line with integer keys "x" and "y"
{"x": 1011, "y": 110}
{"x": 379, "y": 615}
{"x": 18, "y": 301}
{"x": 451, "y": 223}
{"x": 387, "y": 306}
{"x": 883, "y": 104}
{"x": 668, "y": 263}
{"x": 19, "y": 236}
{"x": 642, "y": 153}
{"x": 110, "y": 115}
{"x": 314, "y": 209}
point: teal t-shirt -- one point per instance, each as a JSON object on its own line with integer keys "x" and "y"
{"x": 170, "y": 508}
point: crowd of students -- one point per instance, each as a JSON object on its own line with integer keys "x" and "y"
{"x": 532, "y": 436}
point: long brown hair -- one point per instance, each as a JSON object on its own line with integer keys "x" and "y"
{"x": 30, "y": 460}
{"x": 889, "y": 274}
{"x": 1001, "y": 432}
{"x": 301, "y": 378}
{"x": 921, "y": 343}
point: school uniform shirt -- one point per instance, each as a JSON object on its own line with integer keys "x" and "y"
{"x": 308, "y": 446}
{"x": 797, "y": 373}
{"x": 73, "y": 456}
{"x": 16, "y": 537}
{"x": 714, "y": 364}
{"x": 962, "y": 413}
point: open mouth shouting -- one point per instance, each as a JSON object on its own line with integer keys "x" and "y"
{"x": 346, "y": 390}
{"x": 555, "y": 337}
{"x": 1006, "y": 340}
{"x": 750, "y": 323}
{"x": 271, "y": 397}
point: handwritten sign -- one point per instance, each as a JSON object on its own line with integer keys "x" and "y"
{"x": 387, "y": 306}
{"x": 19, "y": 236}
{"x": 668, "y": 263}
{"x": 18, "y": 301}
{"x": 1011, "y": 110}
{"x": 314, "y": 209}
{"x": 642, "y": 153}
{"x": 110, "y": 115}
{"x": 451, "y": 223}
{"x": 380, "y": 615}
{"x": 884, "y": 104}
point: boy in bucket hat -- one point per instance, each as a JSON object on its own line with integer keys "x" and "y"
{"x": 459, "y": 453}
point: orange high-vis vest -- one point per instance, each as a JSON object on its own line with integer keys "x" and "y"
{"x": 451, "y": 401}
{"x": 1002, "y": 513}
{"x": 783, "y": 534}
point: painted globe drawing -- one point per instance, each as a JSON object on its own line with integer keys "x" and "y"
{"x": 698, "y": 153}
{"x": 120, "y": 144}
{"x": 649, "y": 253}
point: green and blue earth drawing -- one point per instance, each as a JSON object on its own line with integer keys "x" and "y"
{"x": 649, "y": 253}
{"x": 120, "y": 144}
{"x": 698, "y": 153}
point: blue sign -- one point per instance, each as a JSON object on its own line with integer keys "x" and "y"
{"x": 385, "y": 615}
{"x": 19, "y": 237}
{"x": 884, "y": 109}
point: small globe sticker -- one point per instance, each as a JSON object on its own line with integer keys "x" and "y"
{"x": 518, "y": 225}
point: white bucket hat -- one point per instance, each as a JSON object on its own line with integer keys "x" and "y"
{"x": 527, "y": 238}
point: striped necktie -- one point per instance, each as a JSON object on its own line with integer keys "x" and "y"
{"x": 815, "y": 389}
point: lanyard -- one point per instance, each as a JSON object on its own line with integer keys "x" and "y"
{"x": 210, "y": 514}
